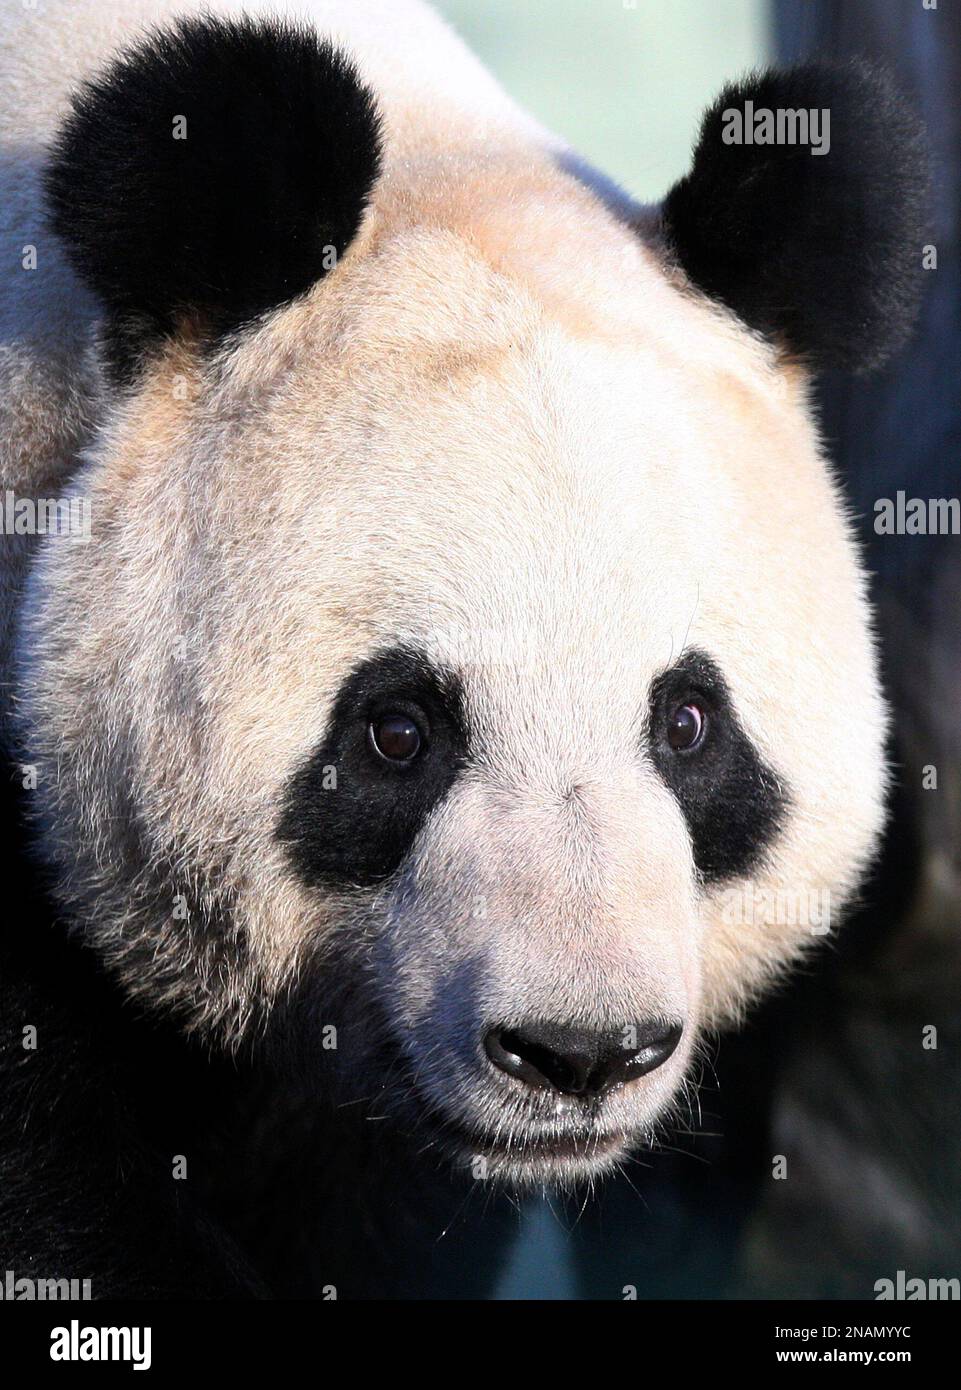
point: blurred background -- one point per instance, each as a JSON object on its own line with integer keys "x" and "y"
{"x": 624, "y": 82}
{"x": 831, "y": 1073}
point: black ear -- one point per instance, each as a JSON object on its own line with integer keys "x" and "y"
{"x": 820, "y": 251}
{"x": 216, "y": 170}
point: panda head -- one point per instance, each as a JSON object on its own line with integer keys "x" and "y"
{"x": 471, "y": 655}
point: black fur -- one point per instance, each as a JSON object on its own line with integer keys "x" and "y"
{"x": 210, "y": 231}
{"x": 358, "y": 831}
{"x": 733, "y": 803}
{"x": 91, "y": 1118}
{"x": 820, "y": 252}
{"x": 285, "y": 1193}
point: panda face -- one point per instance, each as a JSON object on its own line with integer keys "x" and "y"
{"x": 469, "y": 658}
{"x": 591, "y": 610}
{"x": 471, "y": 654}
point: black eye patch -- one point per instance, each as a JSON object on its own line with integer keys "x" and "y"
{"x": 733, "y": 803}
{"x": 350, "y": 816}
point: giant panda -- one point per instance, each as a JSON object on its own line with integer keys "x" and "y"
{"x": 469, "y": 650}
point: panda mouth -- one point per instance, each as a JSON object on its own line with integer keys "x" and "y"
{"x": 538, "y": 1148}
{"x": 587, "y": 1148}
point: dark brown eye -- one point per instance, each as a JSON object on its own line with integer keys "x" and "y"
{"x": 395, "y": 737}
{"x": 686, "y": 727}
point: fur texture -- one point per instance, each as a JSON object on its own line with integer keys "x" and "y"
{"x": 821, "y": 252}
{"x": 203, "y": 225}
{"x": 349, "y": 818}
{"x": 555, "y": 487}
{"x": 733, "y": 804}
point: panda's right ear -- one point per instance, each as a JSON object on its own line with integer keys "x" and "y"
{"x": 212, "y": 172}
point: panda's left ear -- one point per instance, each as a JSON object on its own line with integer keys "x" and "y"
{"x": 214, "y": 171}
{"x": 818, "y": 244}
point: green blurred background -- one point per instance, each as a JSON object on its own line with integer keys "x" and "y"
{"x": 623, "y": 80}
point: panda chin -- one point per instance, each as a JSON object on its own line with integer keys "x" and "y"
{"x": 555, "y": 1162}
{"x": 522, "y": 1161}
{"x": 524, "y": 1156}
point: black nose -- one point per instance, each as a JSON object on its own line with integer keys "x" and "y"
{"x": 578, "y": 1062}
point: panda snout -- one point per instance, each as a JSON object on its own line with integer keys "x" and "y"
{"x": 572, "y": 1061}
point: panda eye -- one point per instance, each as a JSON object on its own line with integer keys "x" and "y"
{"x": 395, "y": 737}
{"x": 686, "y": 726}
